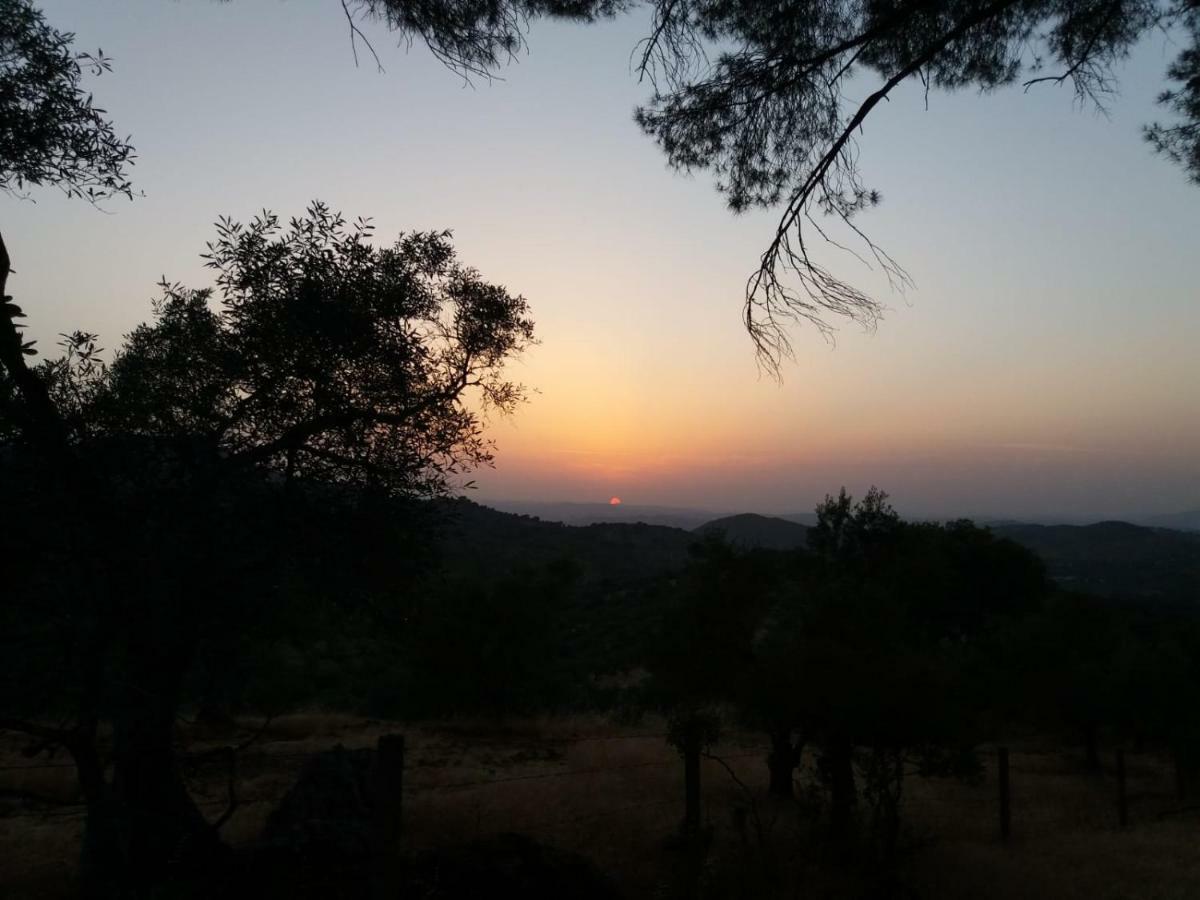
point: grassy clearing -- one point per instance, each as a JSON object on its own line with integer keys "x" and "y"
{"x": 614, "y": 793}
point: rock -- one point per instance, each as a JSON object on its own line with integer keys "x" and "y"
{"x": 507, "y": 865}
{"x": 327, "y": 814}
{"x": 318, "y": 844}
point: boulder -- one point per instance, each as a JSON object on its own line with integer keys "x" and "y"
{"x": 506, "y": 865}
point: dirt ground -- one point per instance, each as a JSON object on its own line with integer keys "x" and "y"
{"x": 614, "y": 793}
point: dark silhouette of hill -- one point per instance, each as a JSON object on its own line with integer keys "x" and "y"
{"x": 619, "y": 594}
{"x": 1189, "y": 520}
{"x": 597, "y": 513}
{"x": 1114, "y": 559}
{"x": 1117, "y": 559}
{"x": 807, "y": 518}
{"x": 492, "y": 541}
{"x": 753, "y": 530}
{"x": 616, "y": 604}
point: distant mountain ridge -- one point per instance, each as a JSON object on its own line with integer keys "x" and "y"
{"x": 490, "y": 540}
{"x": 1189, "y": 520}
{"x": 597, "y": 513}
{"x": 1110, "y": 559}
{"x": 1114, "y": 559}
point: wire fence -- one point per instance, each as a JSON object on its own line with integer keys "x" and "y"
{"x": 978, "y": 803}
{"x": 566, "y": 773}
{"x": 265, "y": 752}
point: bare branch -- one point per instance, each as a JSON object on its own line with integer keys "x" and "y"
{"x": 356, "y": 35}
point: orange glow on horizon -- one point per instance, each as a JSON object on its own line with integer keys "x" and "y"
{"x": 614, "y": 501}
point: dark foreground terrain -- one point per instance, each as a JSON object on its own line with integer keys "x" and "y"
{"x": 613, "y": 794}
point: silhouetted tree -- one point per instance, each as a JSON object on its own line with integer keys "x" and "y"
{"x": 1102, "y": 670}
{"x": 1074, "y": 669}
{"x": 491, "y": 646}
{"x": 874, "y": 648}
{"x": 853, "y": 639}
{"x": 322, "y": 381}
{"x": 757, "y": 94}
{"x": 329, "y": 358}
{"x": 51, "y": 134}
{"x": 1163, "y": 691}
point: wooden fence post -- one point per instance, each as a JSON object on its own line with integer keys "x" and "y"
{"x": 1005, "y": 808}
{"x": 1122, "y": 796}
{"x": 388, "y": 805}
{"x": 691, "y": 781}
{"x": 1181, "y": 777}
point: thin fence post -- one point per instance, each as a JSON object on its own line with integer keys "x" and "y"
{"x": 388, "y": 805}
{"x": 1181, "y": 779}
{"x": 1005, "y": 807}
{"x": 1122, "y": 795}
{"x": 691, "y": 781}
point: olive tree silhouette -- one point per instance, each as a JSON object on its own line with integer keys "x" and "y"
{"x": 872, "y": 648}
{"x": 894, "y": 634}
{"x": 230, "y": 448}
{"x": 51, "y": 134}
{"x": 329, "y": 357}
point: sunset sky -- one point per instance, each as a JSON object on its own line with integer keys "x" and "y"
{"x": 1046, "y": 365}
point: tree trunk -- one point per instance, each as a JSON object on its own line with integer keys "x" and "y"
{"x": 163, "y": 834}
{"x": 691, "y": 782}
{"x": 38, "y": 417}
{"x": 1182, "y": 776}
{"x": 844, "y": 798}
{"x": 1091, "y": 745}
{"x": 781, "y": 763}
{"x": 102, "y": 864}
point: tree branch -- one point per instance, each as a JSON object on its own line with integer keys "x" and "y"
{"x": 765, "y": 294}
{"x": 42, "y": 422}
{"x": 355, "y": 35}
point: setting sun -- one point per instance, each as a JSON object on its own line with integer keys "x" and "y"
{"x": 614, "y": 501}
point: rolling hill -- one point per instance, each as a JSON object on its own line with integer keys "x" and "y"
{"x": 487, "y": 540}
{"x": 1117, "y": 559}
{"x": 753, "y": 530}
{"x": 598, "y": 513}
{"x": 1181, "y": 521}
{"x": 1114, "y": 559}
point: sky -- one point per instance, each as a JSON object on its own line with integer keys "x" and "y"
{"x": 1045, "y": 365}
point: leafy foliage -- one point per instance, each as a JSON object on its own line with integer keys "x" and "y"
{"x": 318, "y": 356}
{"x": 488, "y": 645}
{"x": 874, "y": 646}
{"x": 771, "y": 117}
{"x": 51, "y": 131}
{"x": 475, "y": 36}
{"x": 1180, "y": 142}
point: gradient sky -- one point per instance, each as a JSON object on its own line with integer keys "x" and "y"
{"x": 1046, "y": 365}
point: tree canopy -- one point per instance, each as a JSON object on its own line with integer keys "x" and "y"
{"x": 766, "y": 97}
{"x": 51, "y": 131}
{"x": 876, "y": 646}
{"x": 319, "y": 355}
{"x": 236, "y": 478}
{"x": 772, "y": 99}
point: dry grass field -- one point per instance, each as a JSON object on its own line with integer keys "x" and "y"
{"x": 614, "y": 794}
